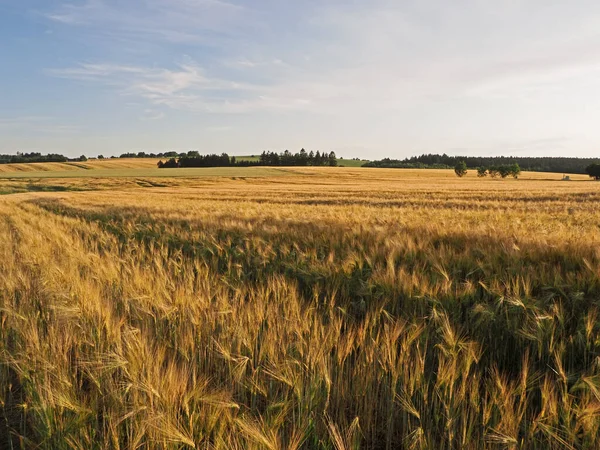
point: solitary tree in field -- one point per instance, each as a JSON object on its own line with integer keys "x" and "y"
{"x": 333, "y": 159}
{"x": 482, "y": 172}
{"x": 515, "y": 170}
{"x": 593, "y": 170}
{"x": 460, "y": 169}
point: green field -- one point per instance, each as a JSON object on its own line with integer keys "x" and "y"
{"x": 351, "y": 162}
{"x": 251, "y": 158}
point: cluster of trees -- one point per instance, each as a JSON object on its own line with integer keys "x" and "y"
{"x": 298, "y": 159}
{"x": 31, "y": 158}
{"x": 286, "y": 158}
{"x": 194, "y": 159}
{"x": 593, "y": 170}
{"x": 388, "y": 163}
{"x": 171, "y": 154}
{"x": 513, "y": 170}
{"x": 34, "y": 157}
{"x": 535, "y": 164}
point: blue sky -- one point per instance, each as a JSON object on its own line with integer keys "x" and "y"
{"x": 363, "y": 78}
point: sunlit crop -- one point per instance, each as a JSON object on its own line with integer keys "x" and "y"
{"x": 321, "y": 309}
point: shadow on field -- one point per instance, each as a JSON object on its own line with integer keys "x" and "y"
{"x": 489, "y": 287}
{"x": 429, "y": 327}
{"x": 21, "y": 188}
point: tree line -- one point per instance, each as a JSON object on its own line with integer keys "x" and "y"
{"x": 492, "y": 166}
{"x": 298, "y": 159}
{"x": 593, "y": 170}
{"x": 286, "y": 158}
{"x": 513, "y": 170}
{"x": 31, "y": 158}
{"x": 170, "y": 154}
{"x": 533, "y": 164}
{"x": 503, "y": 171}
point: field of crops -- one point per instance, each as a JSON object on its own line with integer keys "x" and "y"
{"x": 331, "y": 308}
{"x": 149, "y": 173}
{"x": 95, "y": 164}
{"x": 123, "y": 167}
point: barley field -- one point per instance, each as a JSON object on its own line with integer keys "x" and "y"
{"x": 125, "y": 168}
{"x": 330, "y": 308}
{"x": 92, "y": 164}
{"x": 122, "y": 167}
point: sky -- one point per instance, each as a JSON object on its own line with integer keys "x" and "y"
{"x": 368, "y": 79}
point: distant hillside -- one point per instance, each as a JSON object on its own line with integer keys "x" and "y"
{"x": 31, "y": 158}
{"x": 532, "y": 164}
{"x": 91, "y": 164}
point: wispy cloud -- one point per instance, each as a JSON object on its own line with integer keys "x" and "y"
{"x": 20, "y": 121}
{"x": 177, "y": 21}
{"x": 434, "y": 71}
{"x": 188, "y": 87}
{"x": 185, "y": 87}
{"x": 378, "y": 55}
{"x": 151, "y": 114}
{"x": 38, "y": 124}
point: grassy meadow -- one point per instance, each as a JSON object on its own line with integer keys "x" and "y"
{"x": 330, "y": 308}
